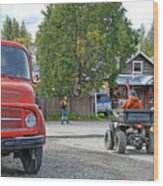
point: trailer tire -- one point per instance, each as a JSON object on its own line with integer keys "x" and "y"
{"x": 109, "y": 143}
{"x": 121, "y": 142}
{"x": 150, "y": 146}
{"x": 139, "y": 147}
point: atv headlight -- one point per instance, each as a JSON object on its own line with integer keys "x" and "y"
{"x": 30, "y": 120}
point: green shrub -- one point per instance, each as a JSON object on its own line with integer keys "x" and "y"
{"x": 101, "y": 115}
{"x": 73, "y": 116}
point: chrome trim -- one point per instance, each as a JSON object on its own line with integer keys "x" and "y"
{"x": 10, "y": 119}
{"x": 28, "y": 137}
{"x": 24, "y": 142}
{"x": 12, "y": 129}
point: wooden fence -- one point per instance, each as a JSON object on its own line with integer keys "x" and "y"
{"x": 84, "y": 106}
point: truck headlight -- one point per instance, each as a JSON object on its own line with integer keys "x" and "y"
{"x": 30, "y": 120}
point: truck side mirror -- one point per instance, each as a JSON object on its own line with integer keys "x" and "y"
{"x": 35, "y": 77}
{"x": 38, "y": 103}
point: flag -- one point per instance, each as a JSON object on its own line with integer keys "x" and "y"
{"x": 143, "y": 97}
{"x": 127, "y": 87}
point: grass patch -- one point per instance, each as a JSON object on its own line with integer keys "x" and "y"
{"x": 73, "y": 117}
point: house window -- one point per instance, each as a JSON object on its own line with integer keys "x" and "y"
{"x": 138, "y": 66}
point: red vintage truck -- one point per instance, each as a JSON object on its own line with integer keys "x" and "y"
{"x": 22, "y": 122}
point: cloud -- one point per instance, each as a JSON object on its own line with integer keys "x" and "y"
{"x": 29, "y": 13}
{"x": 140, "y": 12}
{"x": 33, "y": 20}
{"x": 137, "y": 11}
{"x": 22, "y": 11}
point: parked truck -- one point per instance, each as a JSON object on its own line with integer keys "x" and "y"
{"x": 22, "y": 122}
{"x": 103, "y": 104}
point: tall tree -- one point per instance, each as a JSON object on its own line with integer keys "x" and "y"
{"x": 7, "y": 29}
{"x": 23, "y": 30}
{"x": 78, "y": 45}
{"x": 12, "y": 31}
{"x": 15, "y": 28}
{"x": 147, "y": 41}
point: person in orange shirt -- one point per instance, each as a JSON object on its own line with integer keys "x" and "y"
{"x": 132, "y": 102}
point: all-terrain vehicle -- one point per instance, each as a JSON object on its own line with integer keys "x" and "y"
{"x": 22, "y": 122}
{"x": 134, "y": 128}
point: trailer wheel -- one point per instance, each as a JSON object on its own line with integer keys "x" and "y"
{"x": 32, "y": 160}
{"x": 139, "y": 147}
{"x": 121, "y": 142}
{"x": 109, "y": 143}
{"x": 150, "y": 146}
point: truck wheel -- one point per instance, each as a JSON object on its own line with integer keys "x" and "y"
{"x": 150, "y": 146}
{"x": 121, "y": 142}
{"x": 109, "y": 143}
{"x": 106, "y": 114}
{"x": 32, "y": 160}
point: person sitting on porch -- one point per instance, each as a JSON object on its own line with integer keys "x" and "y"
{"x": 132, "y": 102}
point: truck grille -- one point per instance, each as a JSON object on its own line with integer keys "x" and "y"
{"x": 11, "y": 118}
{"x": 9, "y": 96}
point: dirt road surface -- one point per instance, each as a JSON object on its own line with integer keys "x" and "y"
{"x": 83, "y": 158}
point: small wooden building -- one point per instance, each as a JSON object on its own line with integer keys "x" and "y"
{"x": 139, "y": 74}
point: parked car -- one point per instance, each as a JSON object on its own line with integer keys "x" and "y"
{"x": 22, "y": 122}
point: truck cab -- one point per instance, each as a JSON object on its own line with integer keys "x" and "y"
{"x": 103, "y": 103}
{"x": 22, "y": 122}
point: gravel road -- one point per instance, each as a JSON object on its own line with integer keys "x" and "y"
{"x": 70, "y": 162}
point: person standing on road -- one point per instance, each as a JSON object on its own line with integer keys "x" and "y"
{"x": 64, "y": 109}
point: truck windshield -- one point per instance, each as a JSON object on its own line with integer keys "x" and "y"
{"x": 102, "y": 98}
{"x": 14, "y": 62}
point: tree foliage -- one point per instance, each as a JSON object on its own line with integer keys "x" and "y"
{"x": 79, "y": 45}
{"x": 12, "y": 31}
{"x": 147, "y": 40}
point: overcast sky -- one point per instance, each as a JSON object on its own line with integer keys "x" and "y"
{"x": 139, "y": 12}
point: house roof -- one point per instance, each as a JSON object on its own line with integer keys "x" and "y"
{"x": 140, "y": 53}
{"x": 138, "y": 80}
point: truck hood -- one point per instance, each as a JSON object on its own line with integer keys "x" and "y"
{"x": 16, "y": 90}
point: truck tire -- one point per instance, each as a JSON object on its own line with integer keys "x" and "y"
{"x": 150, "y": 146}
{"x": 32, "y": 166}
{"x": 121, "y": 142}
{"x": 109, "y": 143}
